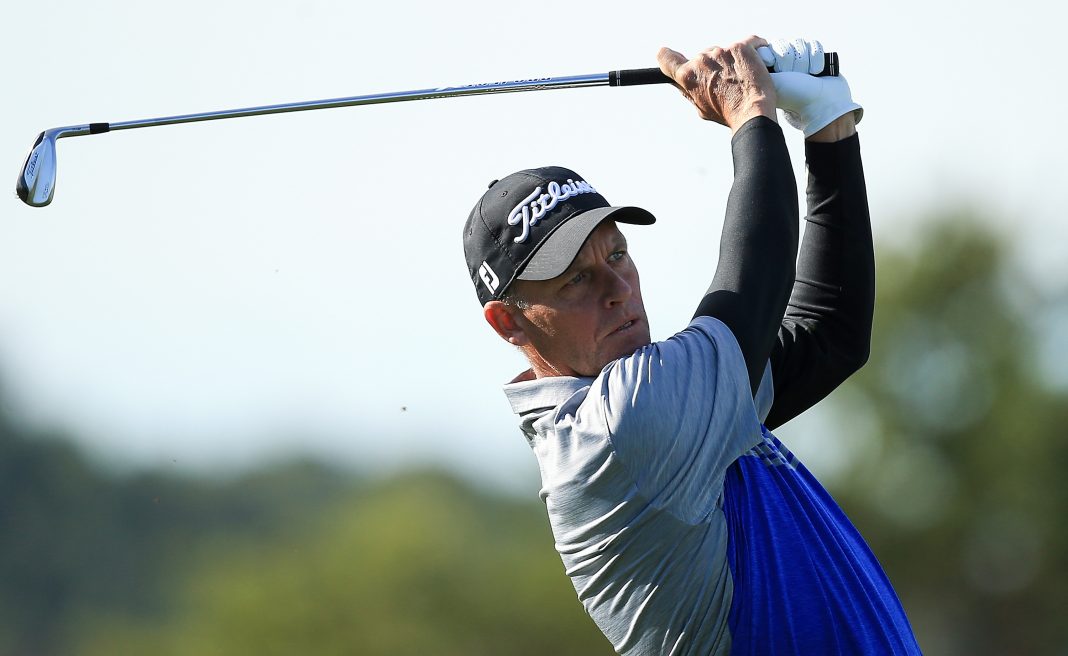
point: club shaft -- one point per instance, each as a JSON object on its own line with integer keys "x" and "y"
{"x": 36, "y": 181}
{"x": 569, "y": 82}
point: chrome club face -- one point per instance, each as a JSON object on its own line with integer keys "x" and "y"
{"x": 37, "y": 181}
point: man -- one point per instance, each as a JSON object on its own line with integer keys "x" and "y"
{"x": 685, "y": 525}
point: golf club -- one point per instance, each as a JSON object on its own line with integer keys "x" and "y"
{"x": 37, "y": 181}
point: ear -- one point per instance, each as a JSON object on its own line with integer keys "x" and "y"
{"x": 501, "y": 317}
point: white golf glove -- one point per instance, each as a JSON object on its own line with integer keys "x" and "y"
{"x": 809, "y": 103}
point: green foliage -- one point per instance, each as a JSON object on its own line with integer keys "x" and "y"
{"x": 421, "y": 565}
{"x": 955, "y": 450}
{"x": 960, "y": 489}
{"x": 75, "y": 542}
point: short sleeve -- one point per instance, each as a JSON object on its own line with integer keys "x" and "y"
{"x": 678, "y": 413}
{"x": 765, "y": 395}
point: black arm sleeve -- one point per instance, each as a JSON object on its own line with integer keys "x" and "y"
{"x": 826, "y": 333}
{"x": 759, "y": 245}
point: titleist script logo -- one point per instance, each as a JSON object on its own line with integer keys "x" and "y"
{"x": 534, "y": 207}
{"x": 33, "y": 164}
{"x": 489, "y": 278}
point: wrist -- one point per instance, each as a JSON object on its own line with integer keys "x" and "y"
{"x": 762, "y": 107}
{"x": 756, "y": 124}
{"x": 843, "y": 127}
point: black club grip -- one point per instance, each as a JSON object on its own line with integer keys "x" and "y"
{"x": 635, "y": 76}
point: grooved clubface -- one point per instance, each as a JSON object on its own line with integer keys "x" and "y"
{"x": 37, "y": 181}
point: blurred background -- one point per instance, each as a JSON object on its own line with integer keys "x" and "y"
{"x": 247, "y": 400}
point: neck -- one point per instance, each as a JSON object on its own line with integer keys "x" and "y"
{"x": 543, "y": 368}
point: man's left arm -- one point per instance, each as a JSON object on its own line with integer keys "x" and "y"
{"x": 826, "y": 333}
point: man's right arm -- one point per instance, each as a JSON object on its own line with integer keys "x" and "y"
{"x": 758, "y": 248}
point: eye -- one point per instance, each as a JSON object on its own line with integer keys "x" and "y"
{"x": 578, "y": 277}
{"x": 618, "y": 255}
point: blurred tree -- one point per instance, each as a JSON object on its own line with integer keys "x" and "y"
{"x": 952, "y": 438}
{"x": 959, "y": 447}
{"x": 422, "y": 565}
{"x": 74, "y": 541}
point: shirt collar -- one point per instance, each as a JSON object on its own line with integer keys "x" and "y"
{"x": 540, "y": 393}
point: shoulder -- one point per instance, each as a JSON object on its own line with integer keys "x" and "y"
{"x": 704, "y": 355}
{"x": 681, "y": 404}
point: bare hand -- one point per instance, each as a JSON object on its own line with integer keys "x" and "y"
{"x": 727, "y": 85}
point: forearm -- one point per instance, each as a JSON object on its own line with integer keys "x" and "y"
{"x": 826, "y": 332}
{"x": 759, "y": 244}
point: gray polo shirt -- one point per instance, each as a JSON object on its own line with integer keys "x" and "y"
{"x": 632, "y": 467}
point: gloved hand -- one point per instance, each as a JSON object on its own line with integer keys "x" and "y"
{"x": 809, "y": 103}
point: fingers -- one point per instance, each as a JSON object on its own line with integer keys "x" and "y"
{"x": 727, "y": 85}
{"x": 715, "y": 58}
{"x": 760, "y": 45}
{"x": 801, "y": 54}
{"x": 785, "y": 55}
{"x": 754, "y": 42}
{"x": 742, "y": 50}
{"x": 816, "y": 60}
{"x": 797, "y": 56}
{"x": 670, "y": 61}
{"x": 767, "y": 56}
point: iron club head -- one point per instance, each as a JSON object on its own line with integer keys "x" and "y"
{"x": 37, "y": 181}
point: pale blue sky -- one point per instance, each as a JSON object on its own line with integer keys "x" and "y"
{"x": 215, "y": 294}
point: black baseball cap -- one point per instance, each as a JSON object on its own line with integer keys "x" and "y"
{"x": 531, "y": 225}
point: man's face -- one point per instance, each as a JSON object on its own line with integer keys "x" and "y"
{"x": 588, "y": 316}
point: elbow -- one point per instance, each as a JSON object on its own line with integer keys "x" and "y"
{"x": 860, "y": 360}
{"x": 852, "y": 343}
{"x": 855, "y": 357}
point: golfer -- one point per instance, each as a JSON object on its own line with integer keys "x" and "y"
{"x": 684, "y": 524}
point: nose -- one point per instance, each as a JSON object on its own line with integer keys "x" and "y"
{"x": 617, "y": 289}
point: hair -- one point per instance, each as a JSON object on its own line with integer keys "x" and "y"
{"x": 514, "y": 300}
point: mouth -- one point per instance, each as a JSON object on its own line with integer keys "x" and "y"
{"x": 629, "y": 325}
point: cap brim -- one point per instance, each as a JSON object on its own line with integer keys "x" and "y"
{"x": 559, "y": 249}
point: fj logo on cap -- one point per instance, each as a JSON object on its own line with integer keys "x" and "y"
{"x": 489, "y": 278}
{"x": 534, "y": 207}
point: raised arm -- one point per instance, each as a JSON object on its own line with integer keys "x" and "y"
{"x": 826, "y": 333}
{"x": 759, "y": 243}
